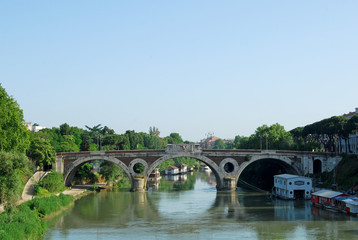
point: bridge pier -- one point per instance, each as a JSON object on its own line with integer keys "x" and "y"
{"x": 138, "y": 185}
{"x": 229, "y": 184}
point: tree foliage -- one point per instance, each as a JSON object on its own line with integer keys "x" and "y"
{"x": 14, "y": 137}
{"x": 270, "y": 137}
{"x": 52, "y": 182}
{"x": 12, "y": 167}
{"x": 111, "y": 172}
{"x": 41, "y": 151}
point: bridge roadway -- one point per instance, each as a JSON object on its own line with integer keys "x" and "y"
{"x": 227, "y": 165}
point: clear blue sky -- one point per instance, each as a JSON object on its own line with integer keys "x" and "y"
{"x": 190, "y": 67}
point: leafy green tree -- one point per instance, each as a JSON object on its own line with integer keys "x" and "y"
{"x": 107, "y": 131}
{"x": 14, "y": 137}
{"x": 219, "y": 144}
{"x": 135, "y": 139}
{"x": 111, "y": 172}
{"x": 174, "y": 138}
{"x": 13, "y": 166}
{"x": 270, "y": 137}
{"x": 65, "y": 129}
{"x": 69, "y": 144}
{"x": 85, "y": 172}
{"x": 41, "y": 151}
{"x": 53, "y": 135}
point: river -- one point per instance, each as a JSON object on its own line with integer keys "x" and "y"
{"x": 193, "y": 209}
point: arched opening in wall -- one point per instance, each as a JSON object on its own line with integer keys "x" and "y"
{"x": 138, "y": 168}
{"x": 101, "y": 172}
{"x": 260, "y": 173}
{"x": 181, "y": 173}
{"x": 317, "y": 166}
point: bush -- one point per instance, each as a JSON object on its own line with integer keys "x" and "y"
{"x": 25, "y": 221}
{"x": 22, "y": 223}
{"x": 52, "y": 182}
{"x": 48, "y": 205}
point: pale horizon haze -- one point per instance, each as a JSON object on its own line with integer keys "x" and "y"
{"x": 191, "y": 67}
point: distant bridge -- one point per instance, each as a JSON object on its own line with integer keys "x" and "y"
{"x": 227, "y": 165}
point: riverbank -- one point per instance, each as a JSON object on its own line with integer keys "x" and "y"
{"x": 27, "y": 220}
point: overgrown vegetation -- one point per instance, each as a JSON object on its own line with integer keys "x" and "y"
{"x": 51, "y": 183}
{"x": 26, "y": 221}
{"x": 15, "y": 168}
{"x": 345, "y": 175}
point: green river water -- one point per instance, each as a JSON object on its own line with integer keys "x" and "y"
{"x": 193, "y": 209}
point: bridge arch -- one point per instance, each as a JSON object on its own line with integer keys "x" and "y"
{"x": 72, "y": 168}
{"x": 210, "y": 163}
{"x": 285, "y": 162}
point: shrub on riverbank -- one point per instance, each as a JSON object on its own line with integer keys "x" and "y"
{"x": 26, "y": 221}
{"x": 21, "y": 223}
{"x": 15, "y": 168}
{"x": 49, "y": 205}
{"x": 52, "y": 183}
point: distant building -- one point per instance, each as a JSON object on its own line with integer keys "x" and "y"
{"x": 33, "y": 127}
{"x": 208, "y": 142}
{"x": 351, "y": 144}
{"x": 350, "y": 114}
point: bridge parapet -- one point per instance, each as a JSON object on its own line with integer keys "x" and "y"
{"x": 183, "y": 148}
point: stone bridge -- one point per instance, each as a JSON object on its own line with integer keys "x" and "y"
{"x": 227, "y": 165}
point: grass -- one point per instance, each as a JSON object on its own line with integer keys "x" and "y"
{"x": 27, "y": 220}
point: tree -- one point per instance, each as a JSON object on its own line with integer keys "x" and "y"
{"x": 85, "y": 172}
{"x": 270, "y": 137}
{"x": 110, "y": 171}
{"x": 154, "y": 131}
{"x": 41, "y": 151}
{"x": 69, "y": 144}
{"x": 65, "y": 129}
{"x": 12, "y": 167}
{"x": 134, "y": 139}
{"x": 95, "y": 129}
{"x": 219, "y": 144}
{"x": 14, "y": 137}
{"x": 174, "y": 138}
{"x": 107, "y": 131}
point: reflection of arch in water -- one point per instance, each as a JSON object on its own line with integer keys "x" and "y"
{"x": 211, "y": 164}
{"x": 119, "y": 208}
{"x": 72, "y": 168}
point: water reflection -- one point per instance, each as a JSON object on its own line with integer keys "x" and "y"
{"x": 193, "y": 209}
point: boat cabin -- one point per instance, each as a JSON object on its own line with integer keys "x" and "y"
{"x": 351, "y": 205}
{"x": 183, "y": 168}
{"x": 327, "y": 198}
{"x": 288, "y": 186}
{"x": 172, "y": 170}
